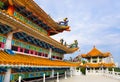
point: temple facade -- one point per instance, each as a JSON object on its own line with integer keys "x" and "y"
{"x": 26, "y": 48}
{"x": 97, "y": 62}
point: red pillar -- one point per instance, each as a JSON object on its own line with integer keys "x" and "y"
{"x": 2, "y": 45}
{"x": 18, "y": 49}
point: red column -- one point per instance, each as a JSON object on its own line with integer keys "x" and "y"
{"x": 18, "y": 49}
{"x": 2, "y": 45}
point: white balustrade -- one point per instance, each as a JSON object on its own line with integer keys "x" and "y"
{"x": 112, "y": 74}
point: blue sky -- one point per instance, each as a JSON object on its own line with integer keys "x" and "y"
{"x": 93, "y": 22}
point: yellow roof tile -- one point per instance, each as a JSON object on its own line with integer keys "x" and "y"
{"x": 94, "y": 53}
{"x": 19, "y": 59}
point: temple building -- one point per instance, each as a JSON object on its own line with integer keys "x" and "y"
{"x": 97, "y": 62}
{"x": 26, "y": 48}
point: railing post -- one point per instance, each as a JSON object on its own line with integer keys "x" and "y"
{"x": 19, "y": 80}
{"x": 70, "y": 73}
{"x": 87, "y": 71}
{"x": 43, "y": 77}
{"x": 113, "y": 71}
{"x": 57, "y": 77}
{"x": 52, "y": 75}
{"x": 118, "y": 75}
{"x": 65, "y": 75}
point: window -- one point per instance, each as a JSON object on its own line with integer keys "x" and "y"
{"x": 60, "y": 58}
{"x": 36, "y": 53}
{"x": 46, "y": 55}
{"x": 57, "y": 57}
{"x": 26, "y": 51}
{"x": 39, "y": 54}
{"x": 94, "y": 61}
{"x": 15, "y": 48}
{"x": 31, "y": 52}
{"x": 53, "y": 56}
{"x": 0, "y": 45}
{"x": 21, "y": 49}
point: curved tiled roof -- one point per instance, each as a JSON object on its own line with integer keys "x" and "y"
{"x": 23, "y": 60}
{"x": 95, "y": 53}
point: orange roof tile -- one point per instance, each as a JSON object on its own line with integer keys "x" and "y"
{"x": 94, "y": 53}
{"x": 108, "y": 64}
{"x": 19, "y": 59}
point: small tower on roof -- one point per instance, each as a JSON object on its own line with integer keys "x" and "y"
{"x": 96, "y": 61}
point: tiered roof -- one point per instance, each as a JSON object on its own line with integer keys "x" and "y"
{"x": 95, "y": 53}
